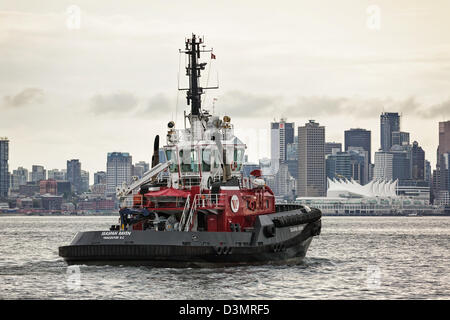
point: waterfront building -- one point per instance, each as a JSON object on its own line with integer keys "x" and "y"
{"x": 283, "y": 183}
{"x": 118, "y": 170}
{"x": 56, "y": 174}
{"x": 444, "y": 137}
{"x": 29, "y": 189}
{"x": 38, "y": 173}
{"x": 427, "y": 173}
{"x": 400, "y": 138}
{"x": 417, "y": 162}
{"x": 378, "y": 197}
{"x": 389, "y": 122}
{"x": 292, "y": 158}
{"x": 84, "y": 181}
{"x": 74, "y": 174}
{"x": 100, "y": 177}
{"x": 141, "y": 167}
{"x": 441, "y": 176}
{"x": 359, "y": 138}
{"x": 414, "y": 189}
{"x": 51, "y": 202}
{"x": 99, "y": 189}
{"x": 48, "y": 187}
{"x": 311, "y": 158}
{"x": 63, "y": 188}
{"x": 332, "y": 147}
{"x": 383, "y": 165}
{"x": 4, "y": 171}
{"x": 401, "y": 162}
{"x": 281, "y": 134}
{"x": 19, "y": 177}
{"x": 352, "y": 164}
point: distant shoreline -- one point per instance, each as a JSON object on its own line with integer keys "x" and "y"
{"x": 117, "y": 215}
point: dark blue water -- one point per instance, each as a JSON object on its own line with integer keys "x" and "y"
{"x": 354, "y": 258}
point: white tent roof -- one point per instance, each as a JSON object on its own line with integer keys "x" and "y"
{"x": 375, "y": 188}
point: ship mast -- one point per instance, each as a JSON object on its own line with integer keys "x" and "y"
{"x": 193, "y": 71}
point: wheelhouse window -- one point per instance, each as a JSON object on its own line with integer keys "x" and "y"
{"x": 171, "y": 155}
{"x": 238, "y": 157}
{"x": 189, "y": 160}
{"x": 206, "y": 159}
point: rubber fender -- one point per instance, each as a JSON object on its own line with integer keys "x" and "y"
{"x": 296, "y": 219}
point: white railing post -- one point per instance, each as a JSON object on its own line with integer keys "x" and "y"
{"x": 183, "y": 216}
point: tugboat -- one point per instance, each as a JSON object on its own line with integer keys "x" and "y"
{"x": 197, "y": 209}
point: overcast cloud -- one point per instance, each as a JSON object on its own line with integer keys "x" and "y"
{"x": 111, "y": 85}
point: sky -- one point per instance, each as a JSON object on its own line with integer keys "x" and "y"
{"x": 79, "y": 88}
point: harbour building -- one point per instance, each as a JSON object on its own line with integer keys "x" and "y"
{"x": 74, "y": 174}
{"x": 4, "y": 173}
{"x": 37, "y": 173}
{"x": 332, "y": 147}
{"x": 378, "y": 197}
{"x": 311, "y": 160}
{"x": 118, "y": 170}
{"x": 281, "y": 134}
{"x": 389, "y": 123}
{"x": 19, "y": 178}
{"x": 359, "y": 138}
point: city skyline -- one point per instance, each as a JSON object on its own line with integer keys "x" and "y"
{"x": 340, "y": 74}
{"x": 267, "y": 134}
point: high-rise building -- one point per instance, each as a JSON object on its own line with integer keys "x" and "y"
{"x": 441, "y": 176}
{"x": 74, "y": 174}
{"x": 100, "y": 177}
{"x": 48, "y": 187}
{"x": 281, "y": 134}
{"x": 383, "y": 168}
{"x": 389, "y": 122}
{"x": 427, "y": 174}
{"x": 400, "y": 138}
{"x": 401, "y": 162}
{"x": 338, "y": 165}
{"x": 19, "y": 178}
{"x": 140, "y": 168}
{"x": 352, "y": 164}
{"x": 332, "y": 147}
{"x": 417, "y": 162}
{"x": 292, "y": 158}
{"x": 84, "y": 181}
{"x": 4, "y": 173}
{"x": 38, "y": 173}
{"x": 444, "y": 137}
{"x": 56, "y": 174}
{"x": 118, "y": 170}
{"x": 311, "y": 157}
{"x": 359, "y": 138}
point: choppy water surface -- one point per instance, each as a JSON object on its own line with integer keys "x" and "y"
{"x": 354, "y": 258}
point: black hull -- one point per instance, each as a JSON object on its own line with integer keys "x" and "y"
{"x": 288, "y": 244}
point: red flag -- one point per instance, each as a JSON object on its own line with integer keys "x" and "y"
{"x": 213, "y": 56}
